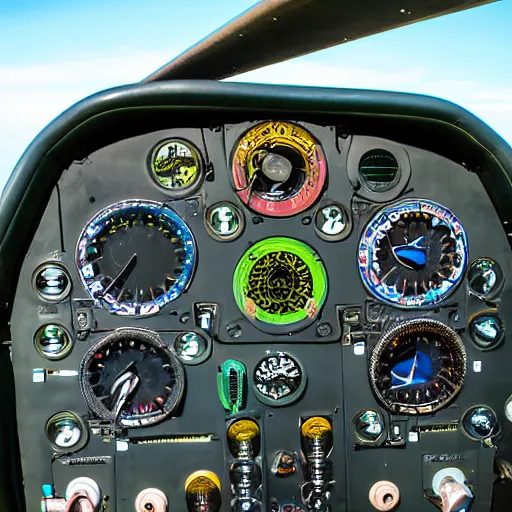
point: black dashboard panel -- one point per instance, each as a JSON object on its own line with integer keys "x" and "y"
{"x": 310, "y": 414}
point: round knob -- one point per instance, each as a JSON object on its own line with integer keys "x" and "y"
{"x": 384, "y": 495}
{"x": 151, "y": 500}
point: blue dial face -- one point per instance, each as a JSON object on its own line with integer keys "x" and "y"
{"x": 413, "y": 253}
{"x": 134, "y": 257}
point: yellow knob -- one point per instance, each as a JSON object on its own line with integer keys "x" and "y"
{"x": 316, "y": 427}
{"x": 243, "y": 430}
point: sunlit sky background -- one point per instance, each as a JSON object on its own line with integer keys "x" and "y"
{"x": 55, "y": 52}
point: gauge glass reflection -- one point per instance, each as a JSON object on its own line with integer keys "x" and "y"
{"x": 66, "y": 432}
{"x": 486, "y": 330}
{"x": 368, "y": 426}
{"x": 224, "y": 221}
{"x": 53, "y": 341}
{"x": 279, "y": 379}
{"x": 135, "y": 257}
{"x": 189, "y": 346}
{"x": 417, "y": 367}
{"x": 485, "y": 277}
{"x": 52, "y": 282}
{"x": 413, "y": 253}
{"x": 479, "y": 423}
{"x": 131, "y": 377}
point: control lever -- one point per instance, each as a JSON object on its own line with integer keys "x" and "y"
{"x": 452, "y": 493}
{"x": 317, "y": 442}
{"x": 82, "y": 495}
{"x": 244, "y": 472}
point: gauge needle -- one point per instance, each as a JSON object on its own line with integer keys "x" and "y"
{"x": 123, "y": 387}
{"x": 124, "y": 274}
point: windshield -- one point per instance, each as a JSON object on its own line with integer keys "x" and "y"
{"x": 54, "y": 53}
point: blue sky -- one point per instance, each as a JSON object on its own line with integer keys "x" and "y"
{"x": 55, "y": 52}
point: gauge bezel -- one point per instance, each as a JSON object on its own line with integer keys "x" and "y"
{"x": 289, "y": 399}
{"x": 495, "y": 431}
{"x": 153, "y": 307}
{"x": 360, "y": 439}
{"x": 366, "y": 249}
{"x": 471, "y": 328}
{"x": 190, "y": 189}
{"x": 213, "y": 233}
{"x": 84, "y": 438}
{"x": 64, "y": 352}
{"x": 273, "y": 323}
{"x": 151, "y": 338}
{"x": 57, "y": 298}
{"x": 345, "y": 231}
{"x": 500, "y": 276}
{"x": 422, "y": 325}
{"x": 310, "y": 191}
{"x": 207, "y": 352}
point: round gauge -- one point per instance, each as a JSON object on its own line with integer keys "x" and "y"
{"x": 417, "y": 367}
{"x": 279, "y": 169}
{"x": 485, "y": 278}
{"x": 332, "y": 222}
{"x": 135, "y": 257}
{"x": 224, "y": 221}
{"x": 176, "y": 165}
{"x": 413, "y": 254}
{"x": 279, "y": 379}
{"x": 52, "y": 282}
{"x": 189, "y": 346}
{"x": 131, "y": 377}
{"x": 486, "y": 329}
{"x": 368, "y": 426}
{"x": 280, "y": 285}
{"x": 479, "y": 422}
{"x": 53, "y": 341}
{"x": 66, "y": 432}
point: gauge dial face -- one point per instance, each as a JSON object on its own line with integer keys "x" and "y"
{"x": 135, "y": 257}
{"x": 280, "y": 282}
{"x": 131, "y": 377}
{"x": 413, "y": 254}
{"x": 176, "y": 166}
{"x": 417, "y": 367}
{"x": 66, "y": 432}
{"x": 279, "y": 379}
{"x": 279, "y": 169}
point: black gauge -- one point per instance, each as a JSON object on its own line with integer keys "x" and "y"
{"x": 279, "y": 379}
{"x": 486, "y": 329}
{"x": 176, "y": 166}
{"x": 479, "y": 423}
{"x": 485, "y": 278}
{"x": 132, "y": 377}
{"x": 413, "y": 253}
{"x": 66, "y": 432}
{"x": 368, "y": 426}
{"x": 51, "y": 282}
{"x": 332, "y": 222}
{"x": 135, "y": 257}
{"x": 417, "y": 367}
{"x": 224, "y": 221}
{"x": 53, "y": 341}
{"x": 379, "y": 170}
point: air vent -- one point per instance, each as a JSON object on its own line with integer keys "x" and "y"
{"x": 379, "y": 170}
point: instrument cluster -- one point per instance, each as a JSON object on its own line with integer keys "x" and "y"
{"x": 263, "y": 316}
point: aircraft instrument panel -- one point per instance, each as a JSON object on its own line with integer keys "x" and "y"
{"x": 264, "y": 315}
